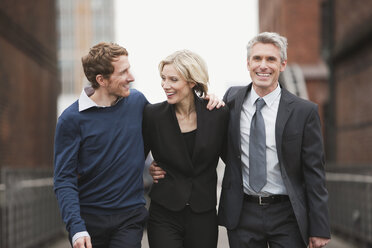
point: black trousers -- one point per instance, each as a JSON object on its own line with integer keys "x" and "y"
{"x": 181, "y": 229}
{"x": 122, "y": 230}
{"x": 274, "y": 225}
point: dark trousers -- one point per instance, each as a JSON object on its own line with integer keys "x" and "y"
{"x": 274, "y": 225}
{"x": 122, "y": 230}
{"x": 181, "y": 229}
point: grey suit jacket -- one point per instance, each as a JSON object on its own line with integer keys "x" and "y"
{"x": 301, "y": 158}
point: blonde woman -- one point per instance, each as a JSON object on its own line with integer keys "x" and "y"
{"x": 186, "y": 141}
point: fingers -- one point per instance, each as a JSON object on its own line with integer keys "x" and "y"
{"x": 88, "y": 242}
{"x": 316, "y": 242}
{"x": 83, "y": 242}
{"x": 220, "y": 104}
{"x": 156, "y": 172}
{"x": 311, "y": 244}
{"x": 152, "y": 167}
{"x": 214, "y": 102}
{"x": 79, "y": 243}
{"x": 153, "y": 163}
{"x": 156, "y": 178}
{"x": 212, "y": 105}
{"x": 211, "y": 99}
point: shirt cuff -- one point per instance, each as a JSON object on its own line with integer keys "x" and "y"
{"x": 79, "y": 235}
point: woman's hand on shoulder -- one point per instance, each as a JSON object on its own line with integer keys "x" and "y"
{"x": 214, "y": 101}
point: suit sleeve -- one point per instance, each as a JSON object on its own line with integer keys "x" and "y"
{"x": 313, "y": 166}
{"x": 225, "y": 97}
{"x": 224, "y": 146}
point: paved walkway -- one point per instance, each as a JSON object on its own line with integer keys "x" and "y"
{"x": 336, "y": 242}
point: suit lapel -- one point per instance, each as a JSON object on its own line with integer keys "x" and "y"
{"x": 284, "y": 111}
{"x": 200, "y": 129}
{"x": 239, "y": 100}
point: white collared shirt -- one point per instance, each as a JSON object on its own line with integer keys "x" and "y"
{"x": 85, "y": 102}
{"x": 275, "y": 184}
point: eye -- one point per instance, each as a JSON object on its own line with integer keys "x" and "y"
{"x": 256, "y": 58}
{"x": 174, "y": 79}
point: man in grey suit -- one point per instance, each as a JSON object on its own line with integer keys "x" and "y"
{"x": 274, "y": 193}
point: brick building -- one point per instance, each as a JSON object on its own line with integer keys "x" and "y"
{"x": 29, "y": 87}
{"x": 29, "y": 83}
{"x": 350, "y": 50}
{"x": 296, "y": 20}
{"x": 331, "y": 41}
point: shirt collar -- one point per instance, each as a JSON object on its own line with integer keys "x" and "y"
{"x": 84, "y": 100}
{"x": 269, "y": 98}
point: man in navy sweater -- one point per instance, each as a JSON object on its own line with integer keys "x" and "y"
{"x": 99, "y": 156}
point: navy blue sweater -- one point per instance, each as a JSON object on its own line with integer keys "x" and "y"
{"x": 99, "y": 160}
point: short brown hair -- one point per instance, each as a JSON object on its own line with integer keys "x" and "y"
{"x": 99, "y": 61}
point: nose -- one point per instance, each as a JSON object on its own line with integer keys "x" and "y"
{"x": 263, "y": 64}
{"x": 130, "y": 77}
{"x": 164, "y": 84}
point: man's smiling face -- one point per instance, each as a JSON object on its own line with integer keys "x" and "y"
{"x": 265, "y": 65}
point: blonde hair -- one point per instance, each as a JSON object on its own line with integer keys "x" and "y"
{"x": 191, "y": 67}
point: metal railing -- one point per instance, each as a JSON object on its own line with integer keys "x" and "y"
{"x": 29, "y": 210}
{"x": 350, "y": 205}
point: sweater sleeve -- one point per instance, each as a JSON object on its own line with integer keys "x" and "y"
{"x": 145, "y": 131}
{"x": 66, "y": 147}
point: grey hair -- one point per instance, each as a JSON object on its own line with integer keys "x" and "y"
{"x": 271, "y": 38}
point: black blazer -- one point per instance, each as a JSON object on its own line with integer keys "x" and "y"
{"x": 301, "y": 159}
{"x": 188, "y": 180}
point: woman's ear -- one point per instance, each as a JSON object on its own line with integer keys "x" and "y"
{"x": 192, "y": 85}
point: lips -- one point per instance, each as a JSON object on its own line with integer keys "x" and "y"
{"x": 169, "y": 93}
{"x": 262, "y": 74}
{"x": 127, "y": 86}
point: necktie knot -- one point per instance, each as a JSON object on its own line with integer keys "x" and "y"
{"x": 259, "y": 104}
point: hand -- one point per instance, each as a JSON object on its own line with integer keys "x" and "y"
{"x": 317, "y": 242}
{"x": 156, "y": 172}
{"x": 214, "y": 102}
{"x": 83, "y": 242}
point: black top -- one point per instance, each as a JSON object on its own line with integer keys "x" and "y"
{"x": 189, "y": 138}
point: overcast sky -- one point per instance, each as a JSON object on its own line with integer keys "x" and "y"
{"x": 217, "y": 30}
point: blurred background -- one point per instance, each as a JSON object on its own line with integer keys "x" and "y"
{"x": 42, "y": 42}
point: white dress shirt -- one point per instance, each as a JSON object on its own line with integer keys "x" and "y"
{"x": 275, "y": 184}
